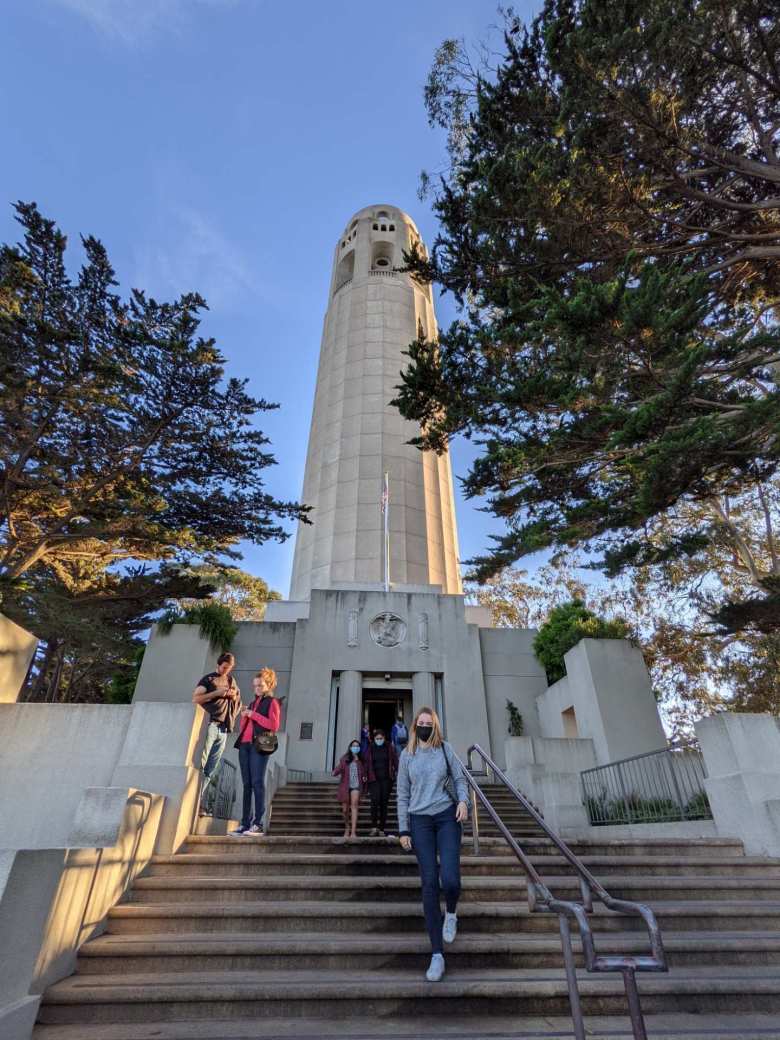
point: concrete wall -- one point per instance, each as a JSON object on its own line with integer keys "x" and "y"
{"x": 547, "y": 771}
{"x": 87, "y": 793}
{"x": 608, "y": 686}
{"x": 742, "y": 756}
{"x": 336, "y": 639}
{"x": 511, "y": 673}
{"x": 92, "y": 881}
{"x": 173, "y": 663}
{"x": 17, "y": 647}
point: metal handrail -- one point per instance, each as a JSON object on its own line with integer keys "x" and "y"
{"x": 541, "y": 899}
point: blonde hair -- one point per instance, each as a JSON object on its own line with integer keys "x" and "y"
{"x": 437, "y": 737}
{"x": 269, "y": 676}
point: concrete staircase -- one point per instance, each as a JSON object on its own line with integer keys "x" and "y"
{"x": 301, "y": 934}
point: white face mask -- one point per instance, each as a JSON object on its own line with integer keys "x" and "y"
{"x": 379, "y": 741}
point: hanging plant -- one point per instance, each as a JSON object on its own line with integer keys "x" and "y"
{"x": 214, "y": 620}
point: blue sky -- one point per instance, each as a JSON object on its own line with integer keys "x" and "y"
{"x": 219, "y": 146}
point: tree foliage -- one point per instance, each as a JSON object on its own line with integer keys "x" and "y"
{"x": 89, "y": 629}
{"x": 119, "y": 437}
{"x": 610, "y": 226}
{"x": 243, "y": 594}
{"x": 564, "y": 628}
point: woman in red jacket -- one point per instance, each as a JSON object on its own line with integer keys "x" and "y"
{"x": 263, "y": 714}
{"x": 352, "y": 771}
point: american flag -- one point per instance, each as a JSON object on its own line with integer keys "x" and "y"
{"x": 385, "y": 494}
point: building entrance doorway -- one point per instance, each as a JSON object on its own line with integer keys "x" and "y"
{"x": 382, "y": 707}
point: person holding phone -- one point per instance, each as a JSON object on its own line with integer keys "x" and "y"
{"x": 432, "y": 806}
{"x": 219, "y": 696}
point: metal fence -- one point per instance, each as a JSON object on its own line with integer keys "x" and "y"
{"x": 660, "y": 787}
{"x": 224, "y": 791}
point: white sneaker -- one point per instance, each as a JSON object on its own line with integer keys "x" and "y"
{"x": 253, "y": 832}
{"x": 450, "y": 928}
{"x": 435, "y": 970}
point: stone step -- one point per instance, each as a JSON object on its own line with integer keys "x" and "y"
{"x": 194, "y": 996}
{"x": 390, "y": 888}
{"x": 248, "y": 862}
{"x": 679, "y": 1026}
{"x": 404, "y": 916}
{"x": 704, "y": 847}
{"x": 112, "y": 954}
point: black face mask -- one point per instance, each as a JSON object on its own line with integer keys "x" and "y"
{"x": 424, "y": 733}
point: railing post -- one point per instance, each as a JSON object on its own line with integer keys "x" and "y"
{"x": 474, "y": 822}
{"x": 634, "y": 1007}
{"x": 676, "y": 785}
{"x": 571, "y": 978}
{"x": 624, "y": 792}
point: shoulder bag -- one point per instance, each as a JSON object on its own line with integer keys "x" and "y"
{"x": 265, "y": 740}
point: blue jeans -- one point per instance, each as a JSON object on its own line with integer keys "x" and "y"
{"x": 253, "y": 767}
{"x": 213, "y": 750}
{"x": 436, "y": 840}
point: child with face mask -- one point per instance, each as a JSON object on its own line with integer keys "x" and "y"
{"x": 381, "y": 769}
{"x": 352, "y": 772}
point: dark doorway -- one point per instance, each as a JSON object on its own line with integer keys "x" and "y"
{"x": 381, "y": 708}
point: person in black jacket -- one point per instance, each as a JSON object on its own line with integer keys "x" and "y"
{"x": 219, "y": 696}
{"x": 382, "y": 768}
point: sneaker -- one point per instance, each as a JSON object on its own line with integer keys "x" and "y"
{"x": 450, "y": 928}
{"x": 373, "y": 833}
{"x": 435, "y": 970}
{"x": 237, "y": 832}
{"x": 253, "y": 832}
{"x": 382, "y": 833}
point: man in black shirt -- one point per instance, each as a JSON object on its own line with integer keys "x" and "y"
{"x": 218, "y": 694}
{"x": 382, "y": 767}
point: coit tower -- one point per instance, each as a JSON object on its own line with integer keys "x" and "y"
{"x": 356, "y": 437}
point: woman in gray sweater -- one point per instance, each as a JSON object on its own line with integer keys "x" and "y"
{"x": 429, "y": 821}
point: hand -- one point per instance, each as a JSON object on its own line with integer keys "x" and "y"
{"x": 406, "y": 842}
{"x": 462, "y": 812}
{"x": 245, "y": 713}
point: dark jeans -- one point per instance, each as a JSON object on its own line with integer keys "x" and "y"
{"x": 436, "y": 840}
{"x": 253, "y": 767}
{"x": 380, "y": 796}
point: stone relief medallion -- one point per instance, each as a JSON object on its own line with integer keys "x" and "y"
{"x": 387, "y": 629}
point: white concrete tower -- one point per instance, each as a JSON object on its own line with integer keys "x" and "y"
{"x": 356, "y": 435}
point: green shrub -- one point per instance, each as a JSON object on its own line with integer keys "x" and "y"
{"x": 214, "y": 620}
{"x": 698, "y": 808}
{"x": 564, "y": 628}
{"x": 515, "y": 728}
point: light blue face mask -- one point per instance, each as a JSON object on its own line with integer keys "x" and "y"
{"x": 379, "y": 741}
{"x": 355, "y": 749}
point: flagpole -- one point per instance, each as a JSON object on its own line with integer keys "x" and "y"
{"x": 386, "y": 512}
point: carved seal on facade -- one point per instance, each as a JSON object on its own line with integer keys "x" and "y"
{"x": 388, "y": 629}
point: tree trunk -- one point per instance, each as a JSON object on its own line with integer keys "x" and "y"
{"x": 34, "y": 692}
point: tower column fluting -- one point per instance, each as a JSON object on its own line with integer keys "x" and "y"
{"x": 374, "y": 312}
